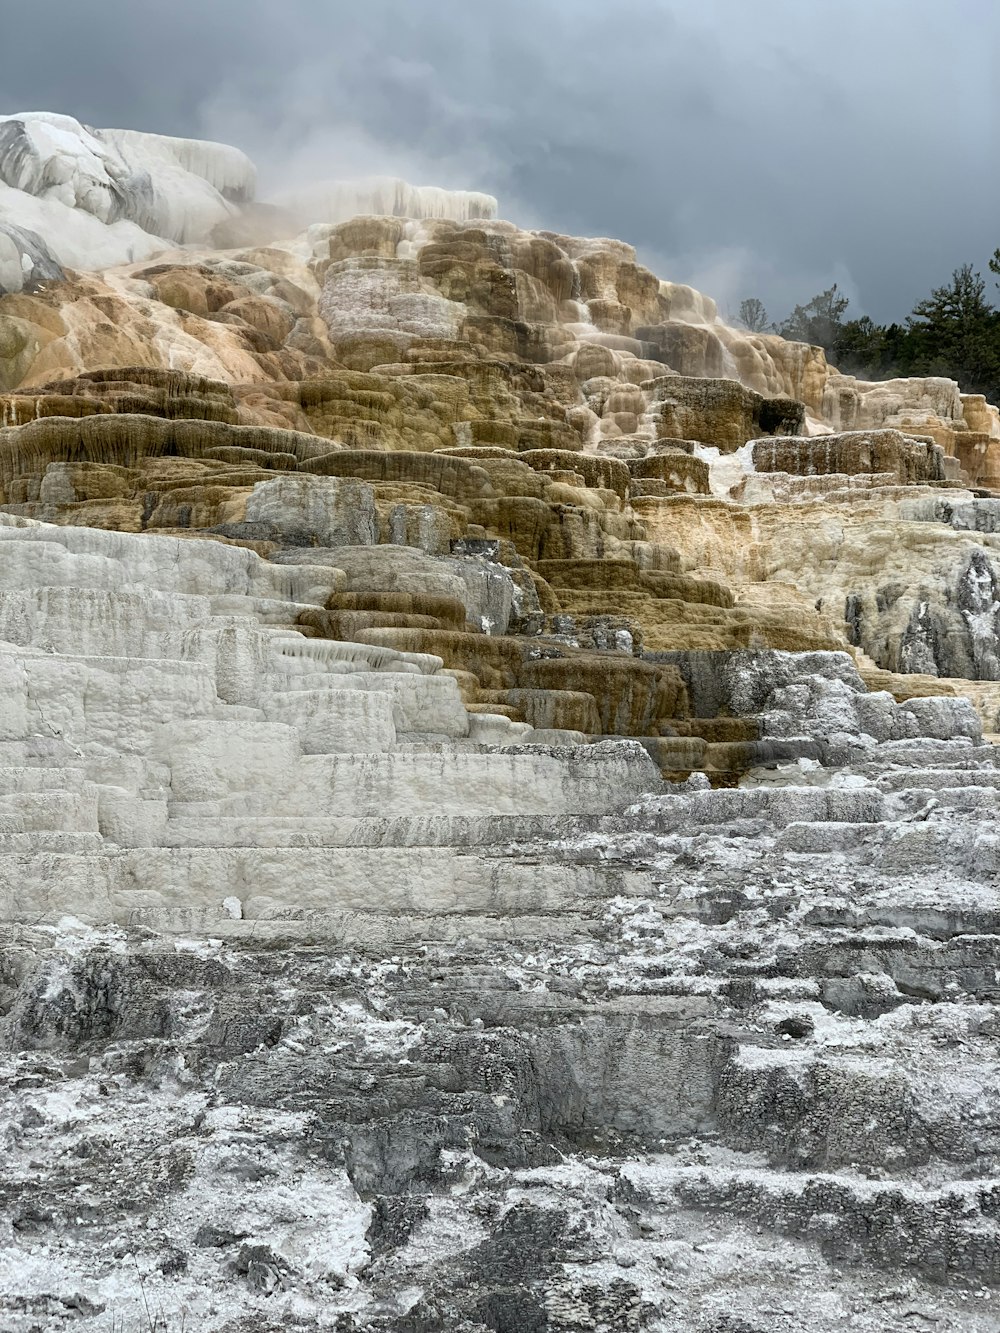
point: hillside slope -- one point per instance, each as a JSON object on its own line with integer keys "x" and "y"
{"x": 497, "y": 817}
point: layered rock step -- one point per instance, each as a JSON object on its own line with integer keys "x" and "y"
{"x": 220, "y": 626}
{"x": 175, "y": 752}
{"x": 799, "y": 554}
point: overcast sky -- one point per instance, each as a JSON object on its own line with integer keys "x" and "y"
{"x": 751, "y": 147}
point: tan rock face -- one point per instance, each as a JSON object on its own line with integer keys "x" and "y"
{"x": 883, "y": 453}
{"x": 721, "y": 412}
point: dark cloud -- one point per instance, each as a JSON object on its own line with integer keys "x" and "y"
{"x": 769, "y": 147}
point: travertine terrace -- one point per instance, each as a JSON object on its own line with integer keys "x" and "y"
{"x": 497, "y": 802}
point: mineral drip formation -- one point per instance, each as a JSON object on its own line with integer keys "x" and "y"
{"x": 498, "y": 783}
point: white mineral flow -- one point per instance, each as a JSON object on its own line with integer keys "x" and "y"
{"x": 226, "y": 169}
{"x": 727, "y": 472}
{"x": 386, "y": 196}
{"x": 365, "y": 295}
{"x": 171, "y": 189}
{"x": 89, "y": 198}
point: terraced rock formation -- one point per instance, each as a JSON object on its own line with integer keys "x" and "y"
{"x": 497, "y": 817}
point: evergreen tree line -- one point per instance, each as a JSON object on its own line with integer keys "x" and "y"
{"x": 954, "y": 332}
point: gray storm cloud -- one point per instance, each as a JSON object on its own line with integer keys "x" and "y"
{"x": 767, "y": 148}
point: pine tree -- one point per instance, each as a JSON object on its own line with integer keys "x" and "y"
{"x": 956, "y": 332}
{"x": 753, "y": 315}
{"x": 819, "y": 321}
{"x": 866, "y": 349}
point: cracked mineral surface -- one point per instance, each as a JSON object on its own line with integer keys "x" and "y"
{"x": 498, "y": 793}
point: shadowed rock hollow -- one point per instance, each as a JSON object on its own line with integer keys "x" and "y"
{"x": 497, "y": 811}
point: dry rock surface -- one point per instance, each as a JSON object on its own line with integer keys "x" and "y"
{"x": 498, "y": 816}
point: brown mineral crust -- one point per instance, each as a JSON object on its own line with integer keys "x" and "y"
{"x": 885, "y": 452}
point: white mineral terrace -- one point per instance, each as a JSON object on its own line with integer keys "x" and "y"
{"x": 154, "y": 698}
